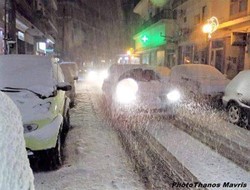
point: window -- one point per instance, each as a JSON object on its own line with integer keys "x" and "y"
{"x": 204, "y": 13}
{"x": 197, "y": 19}
{"x": 140, "y": 75}
{"x": 238, "y": 7}
{"x": 185, "y": 19}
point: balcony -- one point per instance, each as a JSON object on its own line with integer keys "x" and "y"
{"x": 163, "y": 14}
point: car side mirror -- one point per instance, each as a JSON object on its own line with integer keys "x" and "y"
{"x": 75, "y": 78}
{"x": 64, "y": 86}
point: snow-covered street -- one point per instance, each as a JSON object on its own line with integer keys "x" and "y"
{"x": 94, "y": 158}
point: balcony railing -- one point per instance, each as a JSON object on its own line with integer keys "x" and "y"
{"x": 163, "y": 14}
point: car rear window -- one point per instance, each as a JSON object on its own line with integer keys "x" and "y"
{"x": 140, "y": 75}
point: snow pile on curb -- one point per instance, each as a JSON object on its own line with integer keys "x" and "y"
{"x": 15, "y": 172}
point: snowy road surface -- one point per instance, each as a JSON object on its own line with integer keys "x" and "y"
{"x": 94, "y": 156}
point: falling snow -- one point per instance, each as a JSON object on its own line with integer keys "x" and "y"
{"x": 94, "y": 156}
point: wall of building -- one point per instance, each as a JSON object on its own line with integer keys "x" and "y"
{"x": 195, "y": 46}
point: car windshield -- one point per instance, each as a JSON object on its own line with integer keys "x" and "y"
{"x": 33, "y": 73}
{"x": 13, "y": 90}
{"x": 126, "y": 94}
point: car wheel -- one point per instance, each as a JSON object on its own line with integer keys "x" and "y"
{"x": 53, "y": 157}
{"x": 66, "y": 126}
{"x": 72, "y": 104}
{"x": 237, "y": 115}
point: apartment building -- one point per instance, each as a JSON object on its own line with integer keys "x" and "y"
{"x": 155, "y": 39}
{"x": 227, "y": 49}
{"x": 34, "y": 26}
{"x": 90, "y": 31}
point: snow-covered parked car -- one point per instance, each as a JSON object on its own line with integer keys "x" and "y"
{"x": 237, "y": 99}
{"x": 199, "y": 81}
{"x": 70, "y": 71}
{"x": 163, "y": 71}
{"x": 131, "y": 89}
{"x": 15, "y": 171}
{"x": 37, "y": 87}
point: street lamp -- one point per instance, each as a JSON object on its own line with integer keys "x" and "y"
{"x": 211, "y": 26}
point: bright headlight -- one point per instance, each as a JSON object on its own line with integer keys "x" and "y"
{"x": 92, "y": 75}
{"x": 174, "y": 96}
{"x": 126, "y": 91}
{"x": 104, "y": 74}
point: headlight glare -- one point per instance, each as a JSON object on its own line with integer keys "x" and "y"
{"x": 174, "y": 96}
{"x": 92, "y": 75}
{"x": 104, "y": 74}
{"x": 126, "y": 91}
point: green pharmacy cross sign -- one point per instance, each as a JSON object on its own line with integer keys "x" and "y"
{"x": 144, "y": 38}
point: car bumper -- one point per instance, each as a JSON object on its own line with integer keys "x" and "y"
{"x": 139, "y": 109}
{"x": 45, "y": 137}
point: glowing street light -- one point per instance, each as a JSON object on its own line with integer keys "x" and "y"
{"x": 207, "y": 28}
{"x": 211, "y": 26}
{"x": 130, "y": 51}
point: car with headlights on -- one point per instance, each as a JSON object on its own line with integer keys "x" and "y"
{"x": 202, "y": 82}
{"x": 97, "y": 73}
{"x": 37, "y": 87}
{"x": 135, "y": 89}
{"x": 237, "y": 99}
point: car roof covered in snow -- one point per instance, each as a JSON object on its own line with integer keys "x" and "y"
{"x": 116, "y": 70}
{"x": 163, "y": 71}
{"x": 196, "y": 71}
{"x": 27, "y": 71}
{"x": 240, "y": 83}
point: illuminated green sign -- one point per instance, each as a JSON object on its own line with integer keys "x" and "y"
{"x": 150, "y": 37}
{"x": 144, "y": 38}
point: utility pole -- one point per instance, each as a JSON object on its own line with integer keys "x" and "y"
{"x": 10, "y": 26}
{"x": 5, "y": 27}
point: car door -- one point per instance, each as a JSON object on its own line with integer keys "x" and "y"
{"x": 60, "y": 95}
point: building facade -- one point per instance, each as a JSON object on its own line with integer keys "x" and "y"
{"x": 90, "y": 31}
{"x": 34, "y": 25}
{"x": 155, "y": 39}
{"x": 227, "y": 49}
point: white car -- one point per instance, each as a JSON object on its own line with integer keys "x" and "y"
{"x": 199, "y": 81}
{"x": 237, "y": 99}
{"x": 36, "y": 85}
{"x": 131, "y": 89}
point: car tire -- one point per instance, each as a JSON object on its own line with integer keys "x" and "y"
{"x": 66, "y": 126}
{"x": 237, "y": 115}
{"x": 52, "y": 158}
{"x": 72, "y": 104}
